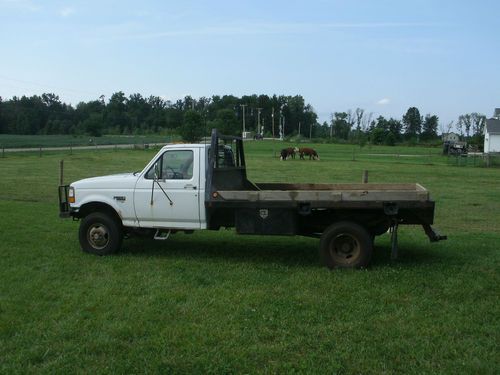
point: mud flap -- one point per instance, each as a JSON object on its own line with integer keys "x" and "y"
{"x": 433, "y": 234}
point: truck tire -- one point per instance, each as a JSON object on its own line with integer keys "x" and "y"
{"x": 346, "y": 245}
{"x": 100, "y": 234}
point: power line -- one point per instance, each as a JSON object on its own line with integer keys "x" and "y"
{"x": 47, "y": 86}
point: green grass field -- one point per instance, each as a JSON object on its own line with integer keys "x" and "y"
{"x": 214, "y": 302}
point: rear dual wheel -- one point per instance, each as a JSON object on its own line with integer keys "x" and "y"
{"x": 346, "y": 245}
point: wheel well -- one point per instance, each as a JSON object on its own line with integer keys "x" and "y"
{"x": 91, "y": 207}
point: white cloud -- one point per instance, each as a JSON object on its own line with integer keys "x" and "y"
{"x": 246, "y": 28}
{"x": 20, "y": 4}
{"x": 384, "y": 101}
{"x": 66, "y": 11}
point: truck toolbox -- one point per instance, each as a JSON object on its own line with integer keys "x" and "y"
{"x": 282, "y": 221}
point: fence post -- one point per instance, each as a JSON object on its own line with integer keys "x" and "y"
{"x": 3, "y": 152}
{"x": 61, "y": 172}
{"x": 365, "y": 177}
{"x": 40, "y": 154}
{"x": 71, "y": 150}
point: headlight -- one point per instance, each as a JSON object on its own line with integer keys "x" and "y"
{"x": 71, "y": 194}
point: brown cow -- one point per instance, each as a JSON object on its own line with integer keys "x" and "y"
{"x": 308, "y": 152}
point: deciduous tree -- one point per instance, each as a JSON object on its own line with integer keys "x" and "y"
{"x": 227, "y": 122}
{"x": 192, "y": 128}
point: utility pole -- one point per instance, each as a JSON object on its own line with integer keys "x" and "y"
{"x": 310, "y": 130}
{"x": 299, "y": 128}
{"x": 331, "y": 126}
{"x": 281, "y": 125}
{"x": 259, "y": 130}
{"x": 283, "y": 122}
{"x": 272, "y": 117}
{"x": 243, "y": 107}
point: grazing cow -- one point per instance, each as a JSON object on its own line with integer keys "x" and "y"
{"x": 308, "y": 152}
{"x": 287, "y": 152}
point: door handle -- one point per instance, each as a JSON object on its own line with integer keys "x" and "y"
{"x": 189, "y": 186}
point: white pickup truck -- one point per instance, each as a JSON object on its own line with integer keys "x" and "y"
{"x": 186, "y": 187}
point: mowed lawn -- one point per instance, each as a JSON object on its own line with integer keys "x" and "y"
{"x": 214, "y": 302}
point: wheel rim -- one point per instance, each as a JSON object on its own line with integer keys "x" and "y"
{"x": 344, "y": 248}
{"x": 98, "y": 236}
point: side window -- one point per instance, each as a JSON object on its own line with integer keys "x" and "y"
{"x": 174, "y": 165}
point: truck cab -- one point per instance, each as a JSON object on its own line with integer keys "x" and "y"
{"x": 167, "y": 193}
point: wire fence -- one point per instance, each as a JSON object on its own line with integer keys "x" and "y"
{"x": 403, "y": 157}
{"x": 408, "y": 157}
{"x": 71, "y": 149}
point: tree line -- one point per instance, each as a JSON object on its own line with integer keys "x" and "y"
{"x": 135, "y": 114}
{"x": 193, "y": 118}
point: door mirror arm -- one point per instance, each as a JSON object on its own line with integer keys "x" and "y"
{"x": 155, "y": 180}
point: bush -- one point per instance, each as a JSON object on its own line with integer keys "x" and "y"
{"x": 93, "y": 125}
{"x": 390, "y": 139}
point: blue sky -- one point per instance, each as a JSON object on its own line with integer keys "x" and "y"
{"x": 383, "y": 56}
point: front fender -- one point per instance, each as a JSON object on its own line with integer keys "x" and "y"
{"x": 122, "y": 209}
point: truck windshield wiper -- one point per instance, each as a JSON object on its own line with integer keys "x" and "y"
{"x": 136, "y": 172}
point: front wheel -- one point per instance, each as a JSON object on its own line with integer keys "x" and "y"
{"x": 100, "y": 234}
{"x": 346, "y": 245}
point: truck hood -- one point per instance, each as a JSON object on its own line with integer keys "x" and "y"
{"x": 115, "y": 181}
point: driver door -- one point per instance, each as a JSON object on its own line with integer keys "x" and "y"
{"x": 172, "y": 199}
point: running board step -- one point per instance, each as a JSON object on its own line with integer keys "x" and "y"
{"x": 161, "y": 235}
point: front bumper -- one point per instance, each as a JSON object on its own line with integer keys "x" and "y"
{"x": 64, "y": 207}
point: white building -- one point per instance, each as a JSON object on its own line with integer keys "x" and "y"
{"x": 492, "y": 133}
